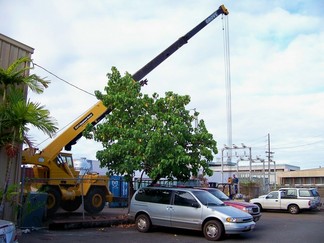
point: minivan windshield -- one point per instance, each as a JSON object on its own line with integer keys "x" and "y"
{"x": 207, "y": 199}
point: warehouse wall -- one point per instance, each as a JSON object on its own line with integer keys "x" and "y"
{"x": 10, "y": 51}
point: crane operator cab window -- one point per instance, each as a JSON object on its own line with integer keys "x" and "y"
{"x": 65, "y": 159}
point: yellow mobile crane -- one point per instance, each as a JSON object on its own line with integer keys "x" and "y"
{"x": 54, "y": 171}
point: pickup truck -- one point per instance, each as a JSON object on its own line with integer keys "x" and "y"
{"x": 277, "y": 200}
{"x": 303, "y": 193}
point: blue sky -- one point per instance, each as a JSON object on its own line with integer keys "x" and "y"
{"x": 276, "y": 53}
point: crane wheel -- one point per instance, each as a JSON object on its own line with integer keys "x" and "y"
{"x": 95, "y": 200}
{"x": 53, "y": 200}
{"x": 71, "y": 205}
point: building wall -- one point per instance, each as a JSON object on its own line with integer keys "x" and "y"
{"x": 10, "y": 51}
{"x": 310, "y": 177}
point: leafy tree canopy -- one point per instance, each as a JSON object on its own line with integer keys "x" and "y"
{"x": 154, "y": 134}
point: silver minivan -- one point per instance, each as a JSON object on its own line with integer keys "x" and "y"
{"x": 187, "y": 208}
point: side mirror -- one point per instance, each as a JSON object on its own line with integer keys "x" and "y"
{"x": 195, "y": 205}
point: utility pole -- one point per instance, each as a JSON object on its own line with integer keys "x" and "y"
{"x": 269, "y": 156}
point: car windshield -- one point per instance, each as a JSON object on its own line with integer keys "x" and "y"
{"x": 207, "y": 199}
{"x": 219, "y": 194}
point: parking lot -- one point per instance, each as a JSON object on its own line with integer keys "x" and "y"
{"x": 273, "y": 227}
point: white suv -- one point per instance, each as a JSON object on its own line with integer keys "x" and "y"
{"x": 187, "y": 208}
{"x": 303, "y": 193}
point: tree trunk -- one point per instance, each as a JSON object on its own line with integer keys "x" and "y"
{"x": 12, "y": 152}
{"x": 5, "y": 188}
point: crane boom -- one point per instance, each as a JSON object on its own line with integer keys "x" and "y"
{"x": 177, "y": 44}
{"x": 97, "y": 112}
{"x": 54, "y": 170}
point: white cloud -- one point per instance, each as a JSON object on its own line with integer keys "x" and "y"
{"x": 276, "y": 63}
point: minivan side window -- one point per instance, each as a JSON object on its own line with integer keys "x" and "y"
{"x": 162, "y": 196}
{"x": 182, "y": 198}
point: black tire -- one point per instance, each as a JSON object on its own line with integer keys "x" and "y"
{"x": 293, "y": 209}
{"x": 143, "y": 223}
{"x": 71, "y": 205}
{"x": 259, "y": 205}
{"x": 213, "y": 230}
{"x": 53, "y": 200}
{"x": 95, "y": 200}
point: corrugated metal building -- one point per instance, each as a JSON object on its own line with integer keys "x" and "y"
{"x": 10, "y": 51}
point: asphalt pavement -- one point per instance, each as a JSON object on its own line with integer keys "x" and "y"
{"x": 274, "y": 226}
{"x": 71, "y": 222}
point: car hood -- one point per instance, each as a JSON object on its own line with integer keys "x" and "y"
{"x": 228, "y": 210}
{"x": 238, "y": 203}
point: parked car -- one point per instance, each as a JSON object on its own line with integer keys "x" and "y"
{"x": 187, "y": 208}
{"x": 277, "y": 200}
{"x": 303, "y": 193}
{"x": 250, "y": 208}
{"x": 8, "y": 233}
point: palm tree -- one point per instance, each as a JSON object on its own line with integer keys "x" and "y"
{"x": 16, "y": 113}
{"x": 15, "y": 74}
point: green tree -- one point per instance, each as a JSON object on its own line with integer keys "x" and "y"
{"x": 153, "y": 134}
{"x": 16, "y": 113}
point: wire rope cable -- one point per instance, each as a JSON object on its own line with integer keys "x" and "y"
{"x": 227, "y": 79}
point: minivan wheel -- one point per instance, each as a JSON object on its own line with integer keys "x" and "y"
{"x": 143, "y": 223}
{"x": 213, "y": 230}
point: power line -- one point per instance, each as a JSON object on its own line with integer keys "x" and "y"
{"x": 297, "y": 146}
{"x": 283, "y": 146}
{"x": 53, "y": 74}
{"x": 74, "y": 86}
{"x": 252, "y": 141}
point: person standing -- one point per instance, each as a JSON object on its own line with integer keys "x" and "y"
{"x": 230, "y": 191}
{"x": 235, "y": 183}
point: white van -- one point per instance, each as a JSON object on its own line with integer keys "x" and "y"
{"x": 187, "y": 208}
